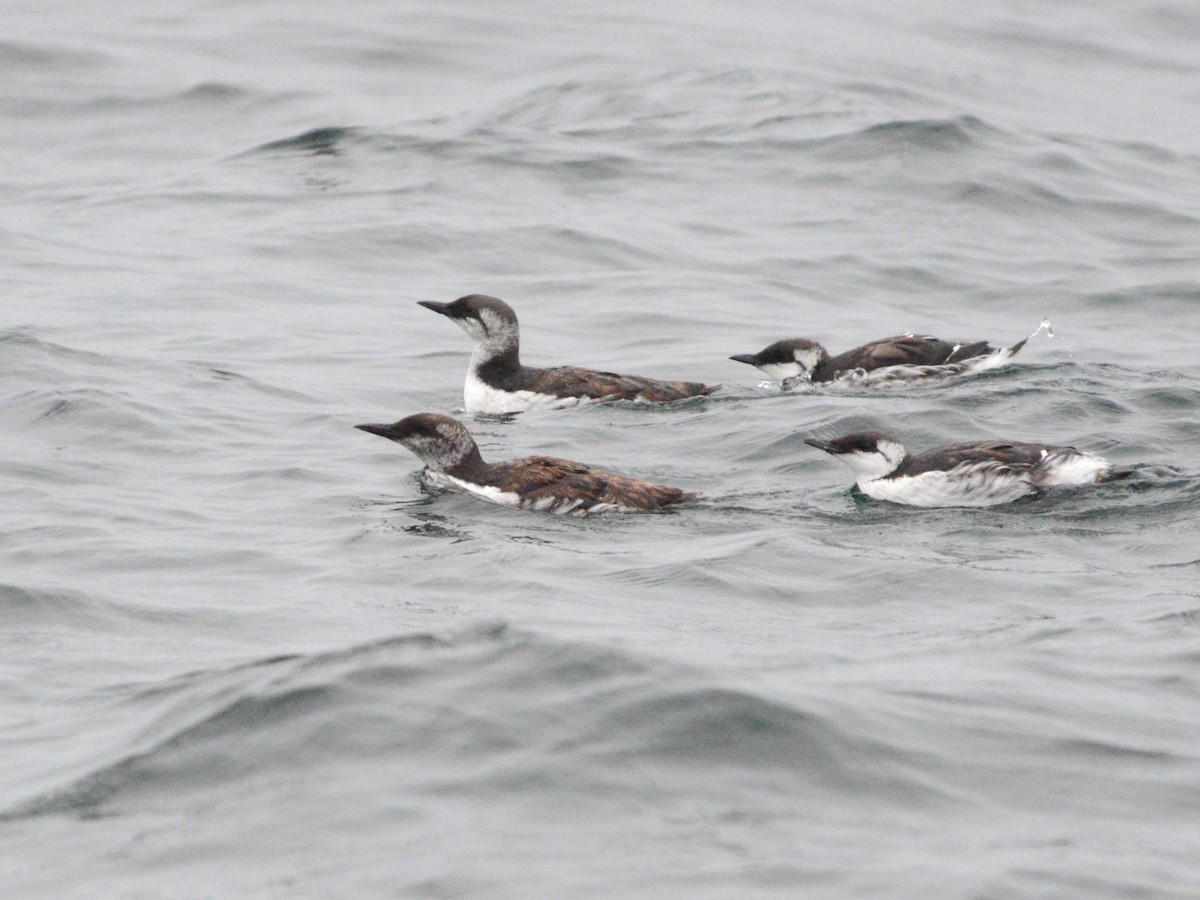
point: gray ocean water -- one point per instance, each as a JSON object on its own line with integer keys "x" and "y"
{"x": 245, "y": 652}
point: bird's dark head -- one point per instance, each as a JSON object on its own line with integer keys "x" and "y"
{"x": 871, "y": 454}
{"x": 793, "y": 358}
{"x": 859, "y": 442}
{"x": 489, "y": 320}
{"x": 442, "y": 443}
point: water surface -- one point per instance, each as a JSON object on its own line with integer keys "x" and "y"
{"x": 246, "y": 652}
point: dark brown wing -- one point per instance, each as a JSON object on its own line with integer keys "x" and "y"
{"x": 532, "y": 473}
{"x": 569, "y": 381}
{"x": 1006, "y": 454}
{"x": 634, "y": 494}
{"x": 907, "y": 350}
{"x": 544, "y": 482}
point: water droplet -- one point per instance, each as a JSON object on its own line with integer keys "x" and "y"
{"x": 1044, "y": 326}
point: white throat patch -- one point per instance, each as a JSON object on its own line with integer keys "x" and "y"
{"x": 440, "y": 455}
{"x": 497, "y": 333}
{"x": 807, "y": 360}
{"x": 878, "y": 463}
{"x": 781, "y": 371}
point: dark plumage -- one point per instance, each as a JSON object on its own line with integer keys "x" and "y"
{"x": 498, "y": 383}
{"x": 925, "y": 356}
{"x": 572, "y": 381}
{"x": 542, "y": 483}
{"x": 977, "y": 473}
{"x": 1010, "y": 455}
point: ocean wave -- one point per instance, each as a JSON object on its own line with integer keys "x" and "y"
{"x": 922, "y": 135}
{"x": 481, "y": 709}
{"x": 326, "y": 141}
{"x": 22, "y": 55}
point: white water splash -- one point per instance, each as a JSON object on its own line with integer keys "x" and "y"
{"x": 1064, "y": 351}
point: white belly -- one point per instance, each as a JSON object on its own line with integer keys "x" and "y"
{"x": 479, "y": 397}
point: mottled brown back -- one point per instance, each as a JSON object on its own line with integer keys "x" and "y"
{"x": 563, "y": 381}
{"x": 543, "y": 477}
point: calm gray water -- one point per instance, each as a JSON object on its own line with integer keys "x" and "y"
{"x": 247, "y": 653}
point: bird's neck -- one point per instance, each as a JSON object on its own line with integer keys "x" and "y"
{"x": 495, "y": 358}
{"x": 470, "y": 468}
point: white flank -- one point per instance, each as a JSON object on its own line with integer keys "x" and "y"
{"x": 563, "y": 506}
{"x": 487, "y": 492}
{"x": 890, "y": 376}
{"x": 559, "y": 506}
{"x": 969, "y": 484}
{"x": 604, "y": 507}
{"x": 1061, "y": 468}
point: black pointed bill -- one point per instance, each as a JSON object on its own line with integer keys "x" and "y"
{"x": 827, "y": 446}
{"x": 382, "y": 430}
{"x": 442, "y": 308}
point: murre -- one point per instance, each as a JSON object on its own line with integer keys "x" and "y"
{"x": 498, "y": 383}
{"x": 541, "y": 483}
{"x": 905, "y": 357}
{"x": 980, "y": 473}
